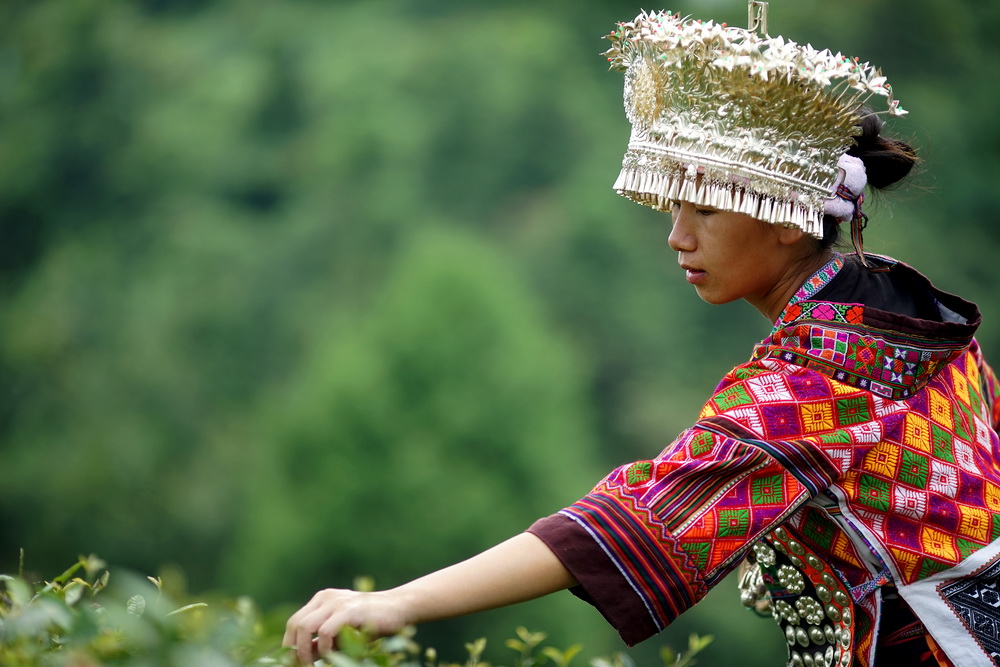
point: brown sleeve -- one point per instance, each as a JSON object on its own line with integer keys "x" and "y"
{"x": 600, "y": 582}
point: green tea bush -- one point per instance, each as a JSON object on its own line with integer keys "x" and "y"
{"x": 86, "y": 618}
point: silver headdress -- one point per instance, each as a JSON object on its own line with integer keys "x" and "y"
{"x": 724, "y": 117}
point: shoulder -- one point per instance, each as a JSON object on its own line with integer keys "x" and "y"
{"x": 770, "y": 380}
{"x": 774, "y": 400}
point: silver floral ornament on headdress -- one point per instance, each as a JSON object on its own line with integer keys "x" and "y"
{"x": 726, "y": 118}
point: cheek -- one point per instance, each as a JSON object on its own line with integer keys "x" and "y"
{"x": 738, "y": 256}
{"x": 743, "y": 269}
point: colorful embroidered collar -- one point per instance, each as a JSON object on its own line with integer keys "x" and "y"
{"x": 890, "y": 355}
{"x": 811, "y": 286}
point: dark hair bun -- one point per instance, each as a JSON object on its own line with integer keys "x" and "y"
{"x": 887, "y": 161}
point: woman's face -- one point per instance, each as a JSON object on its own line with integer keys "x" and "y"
{"x": 729, "y": 256}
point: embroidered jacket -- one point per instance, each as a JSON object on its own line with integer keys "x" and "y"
{"x": 855, "y": 451}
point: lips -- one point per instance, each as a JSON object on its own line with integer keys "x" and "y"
{"x": 692, "y": 274}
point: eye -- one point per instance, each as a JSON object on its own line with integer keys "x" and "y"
{"x": 704, "y": 212}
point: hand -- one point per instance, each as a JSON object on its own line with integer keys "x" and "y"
{"x": 522, "y": 568}
{"x": 313, "y": 629}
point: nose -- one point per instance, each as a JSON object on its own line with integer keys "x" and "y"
{"x": 681, "y": 239}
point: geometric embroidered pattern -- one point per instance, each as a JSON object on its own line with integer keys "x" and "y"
{"x": 639, "y": 472}
{"x": 892, "y": 366}
{"x": 767, "y": 491}
{"x": 892, "y": 426}
{"x": 976, "y": 601}
{"x": 904, "y": 467}
{"x": 833, "y": 339}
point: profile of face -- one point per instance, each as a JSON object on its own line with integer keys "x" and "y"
{"x": 729, "y": 256}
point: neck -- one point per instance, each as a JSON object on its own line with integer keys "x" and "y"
{"x": 799, "y": 270}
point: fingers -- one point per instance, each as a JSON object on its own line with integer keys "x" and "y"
{"x": 312, "y": 630}
{"x": 327, "y": 635}
{"x": 300, "y": 638}
{"x": 305, "y": 647}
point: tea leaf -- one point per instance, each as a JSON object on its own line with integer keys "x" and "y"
{"x": 73, "y": 592}
{"x": 188, "y": 607}
{"x": 136, "y": 605}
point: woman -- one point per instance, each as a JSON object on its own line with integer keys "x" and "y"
{"x": 851, "y": 465}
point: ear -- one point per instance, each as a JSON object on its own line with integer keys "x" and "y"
{"x": 789, "y": 235}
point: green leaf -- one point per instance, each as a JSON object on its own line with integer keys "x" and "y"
{"x": 353, "y": 642}
{"x": 64, "y": 577}
{"x": 532, "y": 639}
{"x": 396, "y": 644}
{"x": 102, "y": 582}
{"x": 73, "y": 592}
{"x": 341, "y": 660}
{"x": 561, "y": 658}
{"x": 476, "y": 648}
{"x": 18, "y": 590}
{"x": 136, "y": 605}
{"x": 364, "y": 583}
{"x": 92, "y": 564}
{"x": 188, "y": 607}
{"x": 697, "y": 643}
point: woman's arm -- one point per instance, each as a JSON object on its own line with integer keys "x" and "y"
{"x": 520, "y": 569}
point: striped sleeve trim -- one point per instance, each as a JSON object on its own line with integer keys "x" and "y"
{"x": 656, "y": 568}
{"x": 601, "y": 582}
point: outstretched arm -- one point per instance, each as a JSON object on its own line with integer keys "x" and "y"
{"x": 520, "y": 569}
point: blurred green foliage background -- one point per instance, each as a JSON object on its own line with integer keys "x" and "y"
{"x": 296, "y": 291}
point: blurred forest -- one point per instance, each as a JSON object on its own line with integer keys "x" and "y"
{"x": 301, "y": 290}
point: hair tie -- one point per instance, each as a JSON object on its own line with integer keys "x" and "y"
{"x": 847, "y": 200}
{"x": 845, "y": 204}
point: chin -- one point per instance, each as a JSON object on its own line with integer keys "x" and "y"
{"x": 714, "y": 299}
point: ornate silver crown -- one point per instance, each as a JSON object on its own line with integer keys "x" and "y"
{"x": 724, "y": 117}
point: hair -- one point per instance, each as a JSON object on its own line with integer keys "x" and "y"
{"x": 887, "y": 162}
